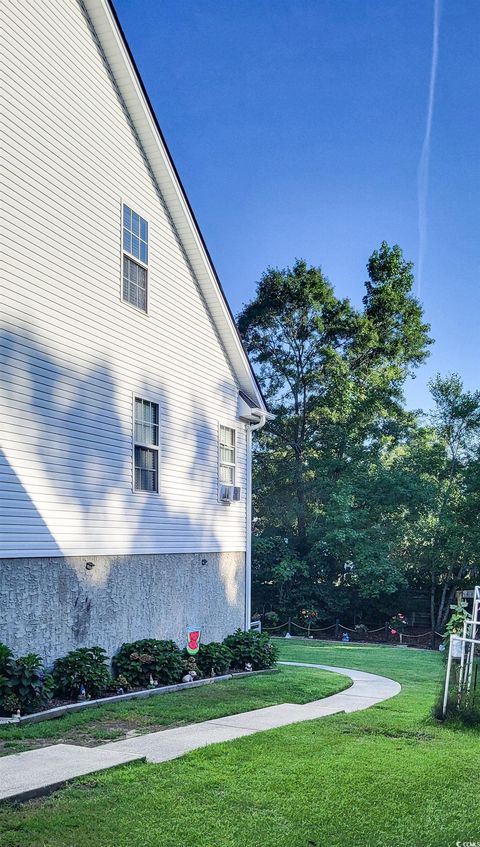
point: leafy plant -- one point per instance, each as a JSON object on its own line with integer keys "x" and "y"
{"x": 397, "y": 624}
{"x": 28, "y": 682}
{"x": 214, "y": 659}
{"x": 162, "y": 660}
{"x": 457, "y": 619}
{"x": 271, "y": 619}
{"x": 11, "y": 704}
{"x": 86, "y": 666}
{"x": 122, "y": 682}
{"x": 5, "y": 657}
{"x": 253, "y": 647}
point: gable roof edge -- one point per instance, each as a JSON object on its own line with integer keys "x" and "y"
{"x": 122, "y": 65}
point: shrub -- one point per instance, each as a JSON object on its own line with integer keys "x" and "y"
{"x": 140, "y": 659}
{"x": 122, "y": 682}
{"x": 253, "y": 647}
{"x": 11, "y": 704}
{"x": 271, "y": 619}
{"x": 5, "y": 657}
{"x": 214, "y": 659}
{"x": 86, "y": 666}
{"x": 459, "y": 615}
{"x": 27, "y": 681}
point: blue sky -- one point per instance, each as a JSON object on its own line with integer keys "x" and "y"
{"x": 297, "y": 127}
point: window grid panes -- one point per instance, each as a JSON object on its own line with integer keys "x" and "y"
{"x": 134, "y": 271}
{"x": 134, "y": 284}
{"x": 135, "y": 235}
{"x": 146, "y": 437}
{"x": 146, "y": 422}
{"x": 146, "y": 469}
{"x": 227, "y": 455}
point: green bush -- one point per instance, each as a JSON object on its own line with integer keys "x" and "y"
{"x": 87, "y": 666}
{"x": 5, "y": 657}
{"x": 26, "y": 680}
{"x": 122, "y": 682}
{"x": 149, "y": 657}
{"x": 214, "y": 659}
{"x": 10, "y": 705}
{"x": 253, "y": 647}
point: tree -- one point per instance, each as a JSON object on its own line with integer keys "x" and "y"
{"x": 333, "y": 376}
{"x": 445, "y": 460}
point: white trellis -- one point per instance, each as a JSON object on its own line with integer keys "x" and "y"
{"x": 464, "y": 648}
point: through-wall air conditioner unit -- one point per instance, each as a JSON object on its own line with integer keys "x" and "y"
{"x": 230, "y": 493}
{"x": 226, "y": 493}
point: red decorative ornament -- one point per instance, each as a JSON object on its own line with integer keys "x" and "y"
{"x": 193, "y": 641}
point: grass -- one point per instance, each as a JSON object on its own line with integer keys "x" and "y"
{"x": 386, "y": 777}
{"x": 106, "y": 723}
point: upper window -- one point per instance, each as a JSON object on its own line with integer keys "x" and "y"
{"x": 227, "y": 455}
{"x": 145, "y": 445}
{"x": 135, "y": 258}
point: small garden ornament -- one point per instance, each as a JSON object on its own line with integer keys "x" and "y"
{"x": 193, "y": 640}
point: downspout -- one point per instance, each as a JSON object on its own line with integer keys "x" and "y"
{"x": 248, "y": 547}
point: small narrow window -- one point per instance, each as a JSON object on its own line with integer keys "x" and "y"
{"x": 145, "y": 445}
{"x": 135, "y": 259}
{"x": 227, "y": 455}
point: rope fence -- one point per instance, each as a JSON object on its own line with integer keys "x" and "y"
{"x": 335, "y": 631}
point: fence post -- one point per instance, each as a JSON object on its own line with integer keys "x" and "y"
{"x": 289, "y": 626}
{"x": 337, "y": 627}
{"x": 308, "y": 629}
{"x": 387, "y": 631}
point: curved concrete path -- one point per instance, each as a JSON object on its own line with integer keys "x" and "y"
{"x": 26, "y": 775}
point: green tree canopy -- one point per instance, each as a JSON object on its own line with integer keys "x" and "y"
{"x": 333, "y": 375}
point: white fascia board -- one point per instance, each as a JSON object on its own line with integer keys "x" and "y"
{"x": 127, "y": 80}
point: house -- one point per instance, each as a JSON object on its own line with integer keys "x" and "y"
{"x": 127, "y": 401}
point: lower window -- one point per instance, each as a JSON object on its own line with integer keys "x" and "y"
{"x": 145, "y": 428}
{"x": 146, "y": 469}
{"x": 134, "y": 284}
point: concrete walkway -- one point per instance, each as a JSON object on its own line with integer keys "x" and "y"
{"x": 26, "y": 775}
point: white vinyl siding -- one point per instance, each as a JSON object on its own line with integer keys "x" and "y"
{"x": 71, "y": 354}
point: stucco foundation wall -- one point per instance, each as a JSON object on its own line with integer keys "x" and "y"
{"x": 53, "y": 605}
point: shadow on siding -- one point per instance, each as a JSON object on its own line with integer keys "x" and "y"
{"x": 66, "y": 479}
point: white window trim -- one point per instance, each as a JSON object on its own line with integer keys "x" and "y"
{"x": 140, "y": 395}
{"x": 125, "y": 201}
{"x": 230, "y": 425}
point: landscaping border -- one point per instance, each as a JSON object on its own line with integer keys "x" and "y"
{"x": 59, "y": 711}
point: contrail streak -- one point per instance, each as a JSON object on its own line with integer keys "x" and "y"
{"x": 423, "y": 165}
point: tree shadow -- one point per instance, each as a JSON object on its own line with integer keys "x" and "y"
{"x": 66, "y": 469}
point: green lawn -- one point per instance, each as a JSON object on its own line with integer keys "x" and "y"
{"x": 386, "y": 777}
{"x": 106, "y": 723}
